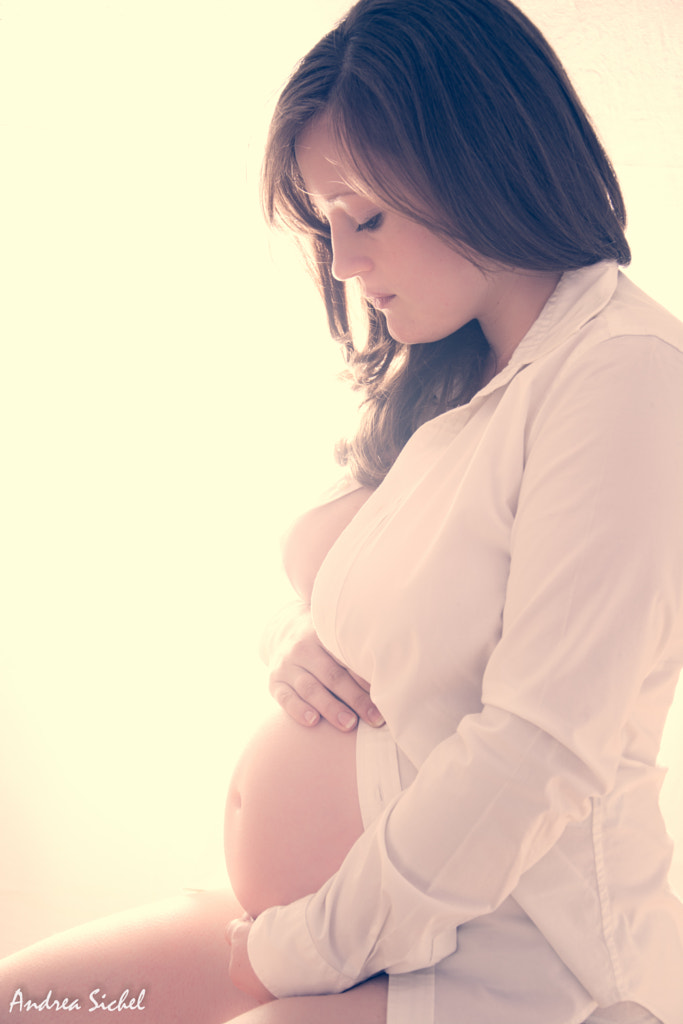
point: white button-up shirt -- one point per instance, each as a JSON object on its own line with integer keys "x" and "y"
{"x": 514, "y": 592}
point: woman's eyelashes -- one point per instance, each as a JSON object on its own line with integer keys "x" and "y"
{"x": 372, "y": 224}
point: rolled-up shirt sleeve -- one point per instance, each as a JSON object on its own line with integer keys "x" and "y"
{"x": 593, "y": 605}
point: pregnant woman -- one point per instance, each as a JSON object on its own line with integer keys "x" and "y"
{"x": 498, "y": 580}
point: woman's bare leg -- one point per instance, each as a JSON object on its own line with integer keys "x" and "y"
{"x": 177, "y": 953}
{"x": 175, "y": 950}
{"x": 292, "y": 814}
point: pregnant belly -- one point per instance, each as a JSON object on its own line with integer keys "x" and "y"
{"x": 292, "y": 812}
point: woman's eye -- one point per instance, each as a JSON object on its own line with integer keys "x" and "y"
{"x": 372, "y": 224}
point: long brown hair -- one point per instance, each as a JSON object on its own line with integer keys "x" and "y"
{"x": 463, "y": 104}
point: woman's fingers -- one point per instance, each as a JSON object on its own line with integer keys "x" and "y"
{"x": 361, "y": 682}
{"x": 289, "y": 701}
{"x": 310, "y": 684}
{"x": 321, "y": 688}
{"x": 316, "y": 703}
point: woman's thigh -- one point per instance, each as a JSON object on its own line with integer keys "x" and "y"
{"x": 170, "y": 957}
{"x": 166, "y": 963}
{"x": 292, "y": 812}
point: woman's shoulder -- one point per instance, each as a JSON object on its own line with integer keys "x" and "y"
{"x": 634, "y": 313}
{"x": 630, "y": 337}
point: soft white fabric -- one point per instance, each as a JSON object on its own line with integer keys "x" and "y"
{"x": 487, "y": 978}
{"x": 382, "y": 773}
{"x": 514, "y": 592}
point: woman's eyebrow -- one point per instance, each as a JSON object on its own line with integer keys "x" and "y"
{"x": 337, "y": 195}
{"x": 316, "y": 197}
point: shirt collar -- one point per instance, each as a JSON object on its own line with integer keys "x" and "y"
{"x": 580, "y": 296}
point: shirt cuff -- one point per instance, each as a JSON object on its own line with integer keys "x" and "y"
{"x": 284, "y": 957}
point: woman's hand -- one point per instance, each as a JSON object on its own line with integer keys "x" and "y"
{"x": 309, "y": 684}
{"x": 242, "y": 974}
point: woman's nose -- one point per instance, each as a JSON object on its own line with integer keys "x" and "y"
{"x": 349, "y": 258}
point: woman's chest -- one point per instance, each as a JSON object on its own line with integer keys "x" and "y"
{"x": 411, "y": 596}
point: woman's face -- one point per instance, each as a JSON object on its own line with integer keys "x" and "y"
{"x": 424, "y": 288}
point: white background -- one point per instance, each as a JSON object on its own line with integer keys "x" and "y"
{"x": 168, "y": 403}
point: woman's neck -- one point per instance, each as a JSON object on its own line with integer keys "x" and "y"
{"x": 516, "y": 300}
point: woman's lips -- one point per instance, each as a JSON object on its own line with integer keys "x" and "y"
{"x": 380, "y": 301}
